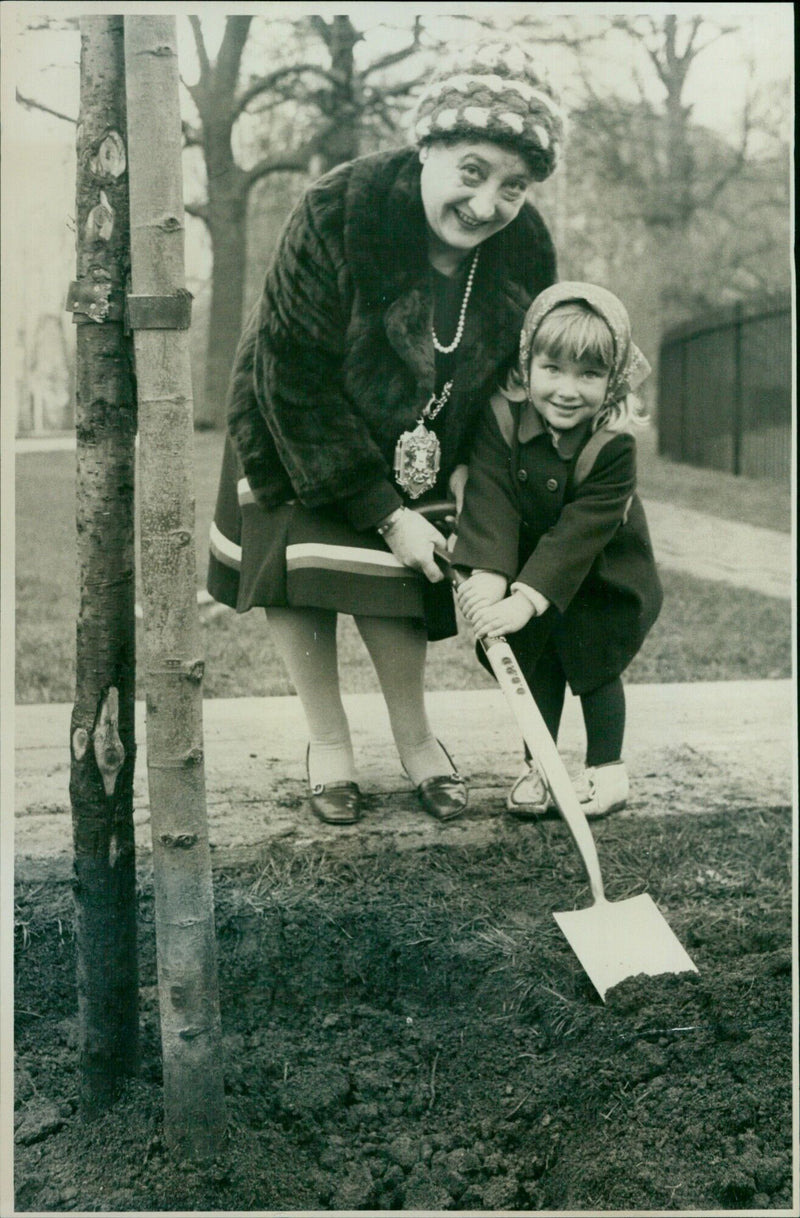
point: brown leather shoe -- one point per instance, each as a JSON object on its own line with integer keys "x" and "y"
{"x": 444, "y": 796}
{"x": 336, "y": 803}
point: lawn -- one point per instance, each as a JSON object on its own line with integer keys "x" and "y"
{"x": 757, "y": 501}
{"x": 699, "y": 636}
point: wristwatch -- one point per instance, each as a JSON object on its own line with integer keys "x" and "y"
{"x": 389, "y": 522}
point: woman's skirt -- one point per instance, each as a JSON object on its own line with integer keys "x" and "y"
{"x": 300, "y": 557}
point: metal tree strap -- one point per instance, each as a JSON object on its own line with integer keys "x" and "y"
{"x": 96, "y": 297}
{"x": 159, "y": 312}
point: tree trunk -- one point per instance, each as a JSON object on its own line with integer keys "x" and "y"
{"x": 102, "y": 739}
{"x": 346, "y": 105}
{"x": 228, "y": 230}
{"x": 226, "y": 217}
{"x": 185, "y": 936}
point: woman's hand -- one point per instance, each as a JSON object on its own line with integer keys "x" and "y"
{"x": 412, "y": 539}
{"x": 483, "y": 588}
{"x": 504, "y": 617}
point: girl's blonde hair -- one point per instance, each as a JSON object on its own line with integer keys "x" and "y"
{"x": 573, "y": 330}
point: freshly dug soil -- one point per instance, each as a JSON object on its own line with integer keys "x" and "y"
{"x": 410, "y": 1031}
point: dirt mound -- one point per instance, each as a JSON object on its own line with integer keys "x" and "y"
{"x": 411, "y": 1031}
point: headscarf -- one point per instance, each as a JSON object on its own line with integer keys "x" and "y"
{"x": 629, "y": 368}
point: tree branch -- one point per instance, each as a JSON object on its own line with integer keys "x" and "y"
{"x": 689, "y": 52}
{"x": 230, "y": 52}
{"x": 393, "y": 57}
{"x": 706, "y": 198}
{"x": 192, "y": 137}
{"x": 200, "y": 46}
{"x": 728, "y": 29}
{"x": 663, "y": 72}
{"x": 267, "y": 105}
{"x": 738, "y": 162}
{"x": 576, "y": 42}
{"x": 31, "y": 104}
{"x": 265, "y": 83}
{"x": 200, "y": 210}
{"x": 291, "y": 163}
{"x": 399, "y": 90}
{"x": 634, "y": 31}
{"x": 320, "y": 26}
{"x": 377, "y": 107}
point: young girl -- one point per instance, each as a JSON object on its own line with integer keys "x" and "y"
{"x": 554, "y": 531}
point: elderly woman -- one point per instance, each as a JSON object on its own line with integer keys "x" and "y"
{"x": 390, "y": 311}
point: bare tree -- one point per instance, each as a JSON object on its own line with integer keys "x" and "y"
{"x": 649, "y": 195}
{"x": 191, "y": 1035}
{"x": 650, "y": 147}
{"x": 330, "y": 104}
{"x": 103, "y": 746}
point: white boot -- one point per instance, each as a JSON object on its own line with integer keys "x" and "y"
{"x": 602, "y": 789}
{"x": 529, "y": 798}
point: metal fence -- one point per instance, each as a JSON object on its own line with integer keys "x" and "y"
{"x": 725, "y": 391}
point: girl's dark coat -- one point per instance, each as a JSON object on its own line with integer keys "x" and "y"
{"x": 337, "y": 359}
{"x": 582, "y": 541}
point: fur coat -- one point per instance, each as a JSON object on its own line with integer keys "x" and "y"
{"x": 337, "y": 358}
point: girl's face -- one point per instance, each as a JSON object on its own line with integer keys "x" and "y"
{"x": 470, "y": 191}
{"x": 565, "y": 391}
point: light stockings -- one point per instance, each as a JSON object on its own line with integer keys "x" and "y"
{"x": 306, "y": 641}
{"x": 397, "y": 647}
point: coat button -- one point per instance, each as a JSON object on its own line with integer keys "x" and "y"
{"x": 522, "y": 475}
{"x": 552, "y": 484}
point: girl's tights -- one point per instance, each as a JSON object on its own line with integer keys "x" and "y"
{"x": 603, "y": 708}
{"x": 306, "y": 641}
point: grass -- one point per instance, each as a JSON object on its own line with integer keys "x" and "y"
{"x": 757, "y": 501}
{"x": 701, "y": 635}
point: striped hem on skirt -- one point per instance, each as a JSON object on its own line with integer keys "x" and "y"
{"x": 295, "y": 556}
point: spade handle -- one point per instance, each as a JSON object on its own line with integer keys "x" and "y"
{"x": 534, "y": 731}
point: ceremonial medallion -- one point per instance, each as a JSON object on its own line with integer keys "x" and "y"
{"x": 416, "y": 460}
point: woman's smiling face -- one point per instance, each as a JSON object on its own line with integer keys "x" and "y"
{"x": 470, "y": 191}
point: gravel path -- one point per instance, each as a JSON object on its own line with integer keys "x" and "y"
{"x": 693, "y": 748}
{"x": 709, "y": 547}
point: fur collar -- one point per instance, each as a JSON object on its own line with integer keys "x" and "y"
{"x": 386, "y": 250}
{"x": 385, "y": 239}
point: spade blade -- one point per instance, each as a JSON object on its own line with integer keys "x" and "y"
{"x": 618, "y": 939}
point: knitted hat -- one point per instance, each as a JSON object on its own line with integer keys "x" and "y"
{"x": 491, "y": 91}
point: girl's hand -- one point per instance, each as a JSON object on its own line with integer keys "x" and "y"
{"x": 506, "y": 617}
{"x": 483, "y": 588}
{"x": 412, "y": 539}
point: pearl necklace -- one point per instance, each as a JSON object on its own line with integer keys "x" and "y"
{"x": 460, "y": 327}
